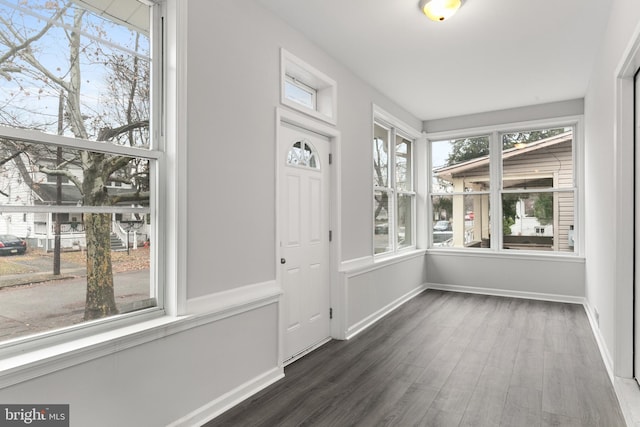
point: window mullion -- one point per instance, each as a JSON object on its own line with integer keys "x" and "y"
{"x": 392, "y": 186}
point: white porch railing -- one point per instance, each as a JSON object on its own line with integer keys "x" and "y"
{"x": 119, "y": 231}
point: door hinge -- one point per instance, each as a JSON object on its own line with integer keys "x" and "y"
{"x": 330, "y": 313}
{"x": 330, "y": 158}
{"x": 330, "y": 235}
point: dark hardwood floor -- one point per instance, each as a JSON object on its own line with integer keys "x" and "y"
{"x": 448, "y": 359}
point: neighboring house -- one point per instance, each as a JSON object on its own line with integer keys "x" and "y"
{"x": 541, "y": 165}
{"x": 39, "y": 228}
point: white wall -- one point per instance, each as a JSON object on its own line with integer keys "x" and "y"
{"x": 234, "y": 54}
{"x": 373, "y": 291}
{"x": 603, "y": 275}
{"x": 572, "y": 107}
{"x": 521, "y": 276}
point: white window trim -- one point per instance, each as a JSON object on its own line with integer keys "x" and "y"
{"x": 397, "y": 128}
{"x": 494, "y": 132}
{"x": 41, "y": 354}
{"x": 326, "y": 88}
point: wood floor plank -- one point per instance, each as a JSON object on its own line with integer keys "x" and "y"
{"x": 485, "y": 408}
{"x": 448, "y": 359}
{"x": 523, "y": 407}
{"x": 411, "y": 408}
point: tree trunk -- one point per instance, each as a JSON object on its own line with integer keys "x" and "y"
{"x": 100, "y": 293}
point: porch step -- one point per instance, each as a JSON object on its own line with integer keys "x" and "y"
{"x": 117, "y": 244}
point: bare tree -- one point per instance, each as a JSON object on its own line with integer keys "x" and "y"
{"x": 122, "y": 119}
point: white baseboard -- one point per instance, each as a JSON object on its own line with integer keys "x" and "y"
{"x": 228, "y": 400}
{"x": 507, "y": 293}
{"x": 604, "y": 352}
{"x": 360, "y": 326}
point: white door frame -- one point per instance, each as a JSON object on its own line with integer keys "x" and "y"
{"x": 625, "y": 193}
{"x": 337, "y": 291}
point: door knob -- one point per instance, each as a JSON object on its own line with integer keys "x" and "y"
{"x": 283, "y": 261}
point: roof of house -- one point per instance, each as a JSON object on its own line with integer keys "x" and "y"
{"x": 46, "y": 193}
{"x": 483, "y": 161}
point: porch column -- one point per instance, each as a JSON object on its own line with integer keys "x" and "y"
{"x": 458, "y": 213}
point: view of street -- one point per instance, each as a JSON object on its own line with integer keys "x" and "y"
{"x": 33, "y": 300}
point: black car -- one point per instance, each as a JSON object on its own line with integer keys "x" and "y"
{"x": 10, "y": 244}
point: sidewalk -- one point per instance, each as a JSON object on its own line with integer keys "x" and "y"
{"x": 41, "y": 276}
{"x": 36, "y": 267}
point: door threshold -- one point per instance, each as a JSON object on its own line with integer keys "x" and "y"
{"x": 305, "y": 351}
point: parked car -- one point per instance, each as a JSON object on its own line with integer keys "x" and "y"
{"x": 442, "y": 226}
{"x": 382, "y": 228}
{"x": 442, "y": 239}
{"x": 10, "y": 244}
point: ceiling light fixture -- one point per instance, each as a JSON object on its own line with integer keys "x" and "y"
{"x": 440, "y": 10}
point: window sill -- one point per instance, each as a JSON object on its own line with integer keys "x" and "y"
{"x": 519, "y": 255}
{"x": 363, "y": 265}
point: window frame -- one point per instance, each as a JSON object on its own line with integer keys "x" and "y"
{"x": 496, "y": 191}
{"x": 45, "y": 342}
{"x": 455, "y": 194}
{"x": 396, "y": 128}
{"x": 308, "y": 78}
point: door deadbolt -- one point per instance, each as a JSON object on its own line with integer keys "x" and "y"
{"x": 283, "y": 261}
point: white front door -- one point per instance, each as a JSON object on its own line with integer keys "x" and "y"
{"x": 304, "y": 238}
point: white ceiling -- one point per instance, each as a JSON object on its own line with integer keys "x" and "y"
{"x": 492, "y": 55}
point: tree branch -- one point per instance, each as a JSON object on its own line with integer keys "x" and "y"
{"x": 13, "y": 156}
{"x": 25, "y": 43}
{"x": 130, "y": 197}
{"x": 107, "y": 134}
{"x": 62, "y": 172}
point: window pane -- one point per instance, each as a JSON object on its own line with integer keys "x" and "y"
{"x": 35, "y": 299}
{"x": 28, "y": 176}
{"x": 382, "y": 219}
{"x": 538, "y": 221}
{"x": 299, "y": 93}
{"x": 404, "y": 172}
{"x": 302, "y": 154}
{"x": 461, "y": 221}
{"x": 380, "y": 156}
{"x": 538, "y": 159}
{"x": 460, "y": 165}
{"x": 74, "y": 73}
{"x": 405, "y": 220}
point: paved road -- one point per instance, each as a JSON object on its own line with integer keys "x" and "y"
{"x": 44, "y": 306}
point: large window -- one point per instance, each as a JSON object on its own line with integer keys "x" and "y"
{"x": 460, "y": 187}
{"x": 78, "y": 168}
{"x": 538, "y": 190}
{"x": 527, "y": 179}
{"x": 394, "y": 196}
